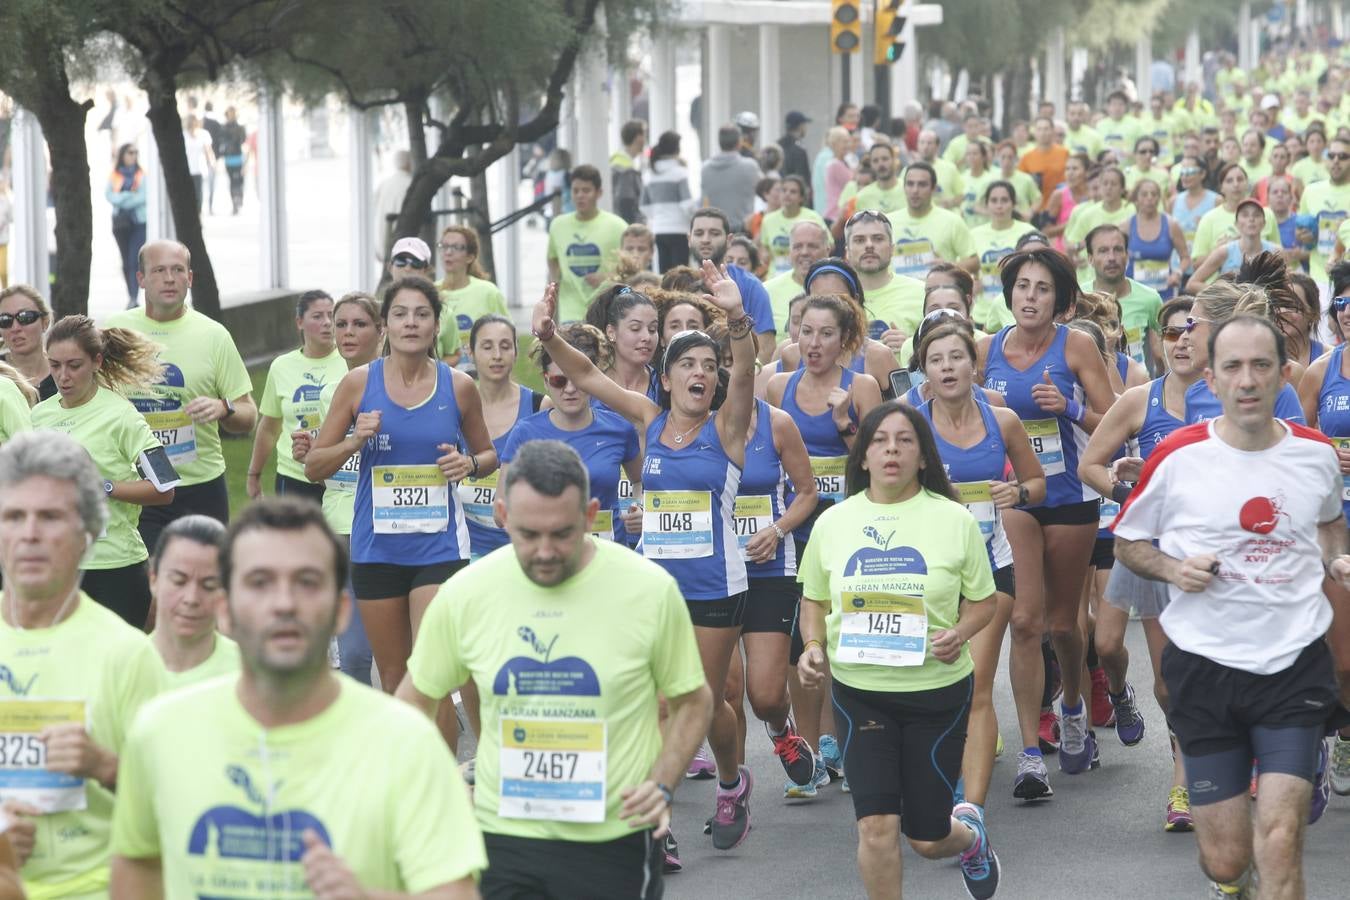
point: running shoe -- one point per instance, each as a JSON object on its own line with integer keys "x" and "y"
{"x": 831, "y": 757}
{"x": 1032, "y": 781}
{"x": 844, "y": 787}
{"x": 795, "y": 754}
{"x": 671, "y": 851}
{"x": 731, "y": 823}
{"x": 1103, "y": 714}
{"x": 1047, "y": 735}
{"x": 1321, "y": 794}
{"x": 1219, "y": 891}
{"x": 1129, "y": 723}
{"x": 1340, "y": 766}
{"x": 1179, "y": 810}
{"x": 959, "y": 794}
{"x": 979, "y": 864}
{"x": 794, "y": 791}
{"x": 1078, "y": 746}
{"x": 701, "y": 767}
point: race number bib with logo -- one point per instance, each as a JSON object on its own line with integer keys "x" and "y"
{"x": 176, "y": 431}
{"x": 1328, "y": 223}
{"x": 1110, "y": 509}
{"x": 914, "y": 255}
{"x": 23, "y": 755}
{"x": 979, "y": 499}
{"x": 1047, "y": 444}
{"x": 344, "y": 479}
{"x": 677, "y": 525}
{"x": 753, "y": 515}
{"x": 1134, "y": 344}
{"x": 603, "y": 526}
{"x": 1153, "y": 273}
{"x": 1343, "y": 444}
{"x": 883, "y": 629}
{"x": 829, "y": 475}
{"x": 476, "y": 496}
{"x": 553, "y": 769}
{"x": 409, "y": 500}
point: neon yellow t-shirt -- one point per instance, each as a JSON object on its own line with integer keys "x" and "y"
{"x": 1219, "y": 226}
{"x": 776, "y": 233}
{"x": 1120, "y": 135}
{"x": 847, "y": 193}
{"x": 1139, "y": 311}
{"x": 781, "y": 289}
{"x": 974, "y": 196}
{"x": 950, "y": 181}
{"x": 224, "y": 660}
{"x": 291, "y": 394}
{"x": 464, "y": 307}
{"x": 1309, "y": 171}
{"x": 582, "y": 248}
{"x": 1255, "y": 171}
{"x": 874, "y": 196}
{"x": 955, "y": 152}
{"x": 898, "y": 304}
{"x": 339, "y": 489}
{"x": 1084, "y": 140}
{"x": 110, "y": 669}
{"x": 894, "y": 574}
{"x": 223, "y": 802}
{"x": 1330, "y": 203}
{"x": 1087, "y": 216}
{"x": 565, "y": 674}
{"x": 1028, "y": 194}
{"x": 200, "y": 361}
{"x": 15, "y": 415}
{"x": 922, "y": 241}
{"x": 1161, "y": 177}
{"x": 114, "y": 434}
{"x": 989, "y": 311}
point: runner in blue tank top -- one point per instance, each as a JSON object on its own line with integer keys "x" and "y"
{"x": 408, "y": 412}
{"x": 693, "y": 463}
{"x": 1145, "y": 416}
{"x": 492, "y": 347}
{"x": 976, "y": 442}
{"x": 607, "y": 444}
{"x": 1150, "y": 261}
{"x": 1056, "y": 382}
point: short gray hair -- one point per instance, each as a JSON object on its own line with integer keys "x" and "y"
{"x": 56, "y": 455}
{"x": 550, "y": 467}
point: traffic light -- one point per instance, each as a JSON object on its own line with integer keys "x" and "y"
{"x": 888, "y": 26}
{"x": 845, "y": 26}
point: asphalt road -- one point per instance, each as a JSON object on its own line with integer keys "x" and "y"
{"x": 1100, "y": 837}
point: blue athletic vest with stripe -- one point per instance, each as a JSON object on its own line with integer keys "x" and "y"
{"x": 1333, "y": 410}
{"x": 983, "y": 462}
{"x": 484, "y": 538}
{"x": 763, "y": 482}
{"x": 821, "y": 436}
{"x": 1202, "y": 405}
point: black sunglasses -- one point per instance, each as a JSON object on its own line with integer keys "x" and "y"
{"x": 409, "y": 262}
{"x": 23, "y": 317}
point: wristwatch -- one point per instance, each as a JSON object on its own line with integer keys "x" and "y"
{"x": 229, "y": 408}
{"x": 849, "y": 430}
{"x": 1022, "y": 496}
{"x": 107, "y": 488}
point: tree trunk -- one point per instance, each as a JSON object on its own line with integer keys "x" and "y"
{"x": 63, "y": 126}
{"x": 162, "y": 89}
{"x": 482, "y": 222}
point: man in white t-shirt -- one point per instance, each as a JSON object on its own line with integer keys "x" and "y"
{"x": 1246, "y": 510}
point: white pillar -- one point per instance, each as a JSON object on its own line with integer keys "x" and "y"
{"x": 592, "y": 111}
{"x": 28, "y": 247}
{"x": 857, "y": 82}
{"x": 272, "y": 192}
{"x": 1244, "y": 30}
{"x": 1194, "y": 73}
{"x": 158, "y": 213}
{"x": 1337, "y": 20}
{"x": 1054, "y": 70}
{"x": 716, "y": 100}
{"x": 503, "y": 181}
{"x": 620, "y": 104}
{"x": 1301, "y": 18}
{"x": 770, "y": 81}
{"x": 361, "y": 229}
{"x": 1143, "y": 68}
{"x": 998, "y": 99}
{"x": 905, "y": 73}
{"x": 661, "y": 89}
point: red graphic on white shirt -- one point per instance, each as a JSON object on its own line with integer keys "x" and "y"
{"x": 1260, "y": 515}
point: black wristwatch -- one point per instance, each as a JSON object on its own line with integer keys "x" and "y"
{"x": 229, "y": 408}
{"x": 1022, "y": 496}
{"x": 107, "y": 488}
{"x": 849, "y": 430}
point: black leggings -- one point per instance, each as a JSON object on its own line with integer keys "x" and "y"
{"x": 125, "y": 591}
{"x": 294, "y": 487}
{"x": 210, "y": 498}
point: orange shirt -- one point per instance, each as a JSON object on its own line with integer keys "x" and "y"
{"x": 1047, "y": 167}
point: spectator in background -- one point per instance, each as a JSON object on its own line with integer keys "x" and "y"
{"x": 769, "y": 191}
{"x": 771, "y": 161}
{"x": 625, "y": 171}
{"x": 126, "y": 193}
{"x": 559, "y": 178}
{"x": 200, "y": 159}
{"x": 837, "y": 171}
{"x": 729, "y": 179}
{"x": 869, "y": 120}
{"x": 389, "y": 200}
{"x": 233, "y": 138}
{"x": 667, "y": 202}
{"x": 847, "y": 118}
{"x": 748, "y": 123}
{"x": 795, "y": 160}
{"x": 213, "y": 129}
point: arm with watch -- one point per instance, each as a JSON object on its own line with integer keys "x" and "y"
{"x": 236, "y": 416}
{"x": 687, "y": 719}
{"x": 812, "y": 665}
{"x": 797, "y": 466}
{"x": 1028, "y": 485}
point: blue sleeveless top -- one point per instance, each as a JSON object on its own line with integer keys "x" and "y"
{"x": 1057, "y": 440}
{"x": 1122, "y": 366}
{"x": 604, "y": 446}
{"x": 763, "y": 496}
{"x": 1333, "y": 410}
{"x": 1189, "y": 219}
{"x": 687, "y": 520}
{"x": 824, "y": 446}
{"x": 1202, "y": 405}
{"x": 1158, "y": 422}
{"x": 477, "y": 496}
{"x": 405, "y": 512}
{"x": 1157, "y": 251}
{"x": 1233, "y": 261}
{"x": 970, "y": 470}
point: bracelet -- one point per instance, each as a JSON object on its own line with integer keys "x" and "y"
{"x": 739, "y": 328}
{"x": 778, "y": 531}
{"x": 813, "y": 641}
{"x": 1073, "y": 410}
{"x": 666, "y": 793}
{"x": 254, "y": 474}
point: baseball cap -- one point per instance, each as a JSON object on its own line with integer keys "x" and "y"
{"x": 1250, "y": 201}
{"x": 747, "y": 120}
{"x": 796, "y": 118}
{"x": 414, "y": 247}
{"x": 1270, "y": 101}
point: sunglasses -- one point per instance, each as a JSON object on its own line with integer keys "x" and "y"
{"x": 1172, "y": 333}
{"x": 23, "y": 317}
{"x": 1339, "y": 304}
{"x": 409, "y": 262}
{"x": 1338, "y": 157}
{"x": 557, "y": 382}
{"x": 1190, "y": 170}
{"x": 864, "y": 215}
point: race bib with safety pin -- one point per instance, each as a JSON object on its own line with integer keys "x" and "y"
{"x": 552, "y": 769}
{"x": 603, "y": 526}
{"x": 409, "y": 500}
{"x": 1153, "y": 273}
{"x": 175, "y": 430}
{"x": 913, "y": 256}
{"x": 1343, "y": 444}
{"x": 23, "y": 755}
{"x": 753, "y": 515}
{"x": 1328, "y": 223}
{"x": 1046, "y": 443}
{"x": 883, "y": 629}
{"x": 677, "y": 525}
{"x": 1134, "y": 343}
{"x": 829, "y": 475}
{"x": 476, "y": 496}
{"x": 344, "y": 479}
{"x": 979, "y": 499}
{"x": 1109, "y": 510}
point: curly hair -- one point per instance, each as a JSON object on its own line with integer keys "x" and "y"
{"x": 129, "y": 359}
{"x": 848, "y": 314}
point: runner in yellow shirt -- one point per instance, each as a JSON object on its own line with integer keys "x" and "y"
{"x": 466, "y": 291}
{"x": 776, "y": 230}
{"x": 185, "y": 582}
{"x": 925, "y": 233}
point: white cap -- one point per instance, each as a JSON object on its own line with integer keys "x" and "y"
{"x": 412, "y": 246}
{"x": 747, "y": 120}
{"x": 1270, "y": 101}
